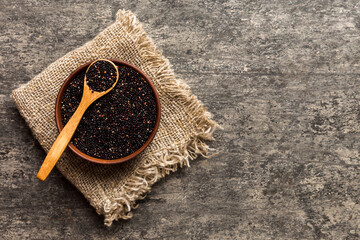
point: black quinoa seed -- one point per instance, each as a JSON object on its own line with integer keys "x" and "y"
{"x": 117, "y": 124}
{"x": 101, "y": 76}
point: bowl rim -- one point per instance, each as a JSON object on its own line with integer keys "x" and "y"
{"x": 59, "y": 124}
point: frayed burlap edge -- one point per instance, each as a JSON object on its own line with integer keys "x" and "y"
{"x": 167, "y": 160}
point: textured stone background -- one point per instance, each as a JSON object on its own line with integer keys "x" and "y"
{"x": 281, "y": 78}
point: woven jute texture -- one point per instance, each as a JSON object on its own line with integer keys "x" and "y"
{"x": 184, "y": 127}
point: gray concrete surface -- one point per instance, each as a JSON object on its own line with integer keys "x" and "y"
{"x": 282, "y": 77}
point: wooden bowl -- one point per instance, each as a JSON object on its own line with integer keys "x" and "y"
{"x": 98, "y": 160}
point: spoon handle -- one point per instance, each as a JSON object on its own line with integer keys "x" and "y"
{"x": 62, "y": 141}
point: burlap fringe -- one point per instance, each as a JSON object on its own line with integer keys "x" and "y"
{"x": 167, "y": 160}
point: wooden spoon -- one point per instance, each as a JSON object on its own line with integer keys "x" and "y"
{"x": 88, "y": 97}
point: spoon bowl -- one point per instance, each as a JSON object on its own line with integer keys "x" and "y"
{"x": 89, "y": 94}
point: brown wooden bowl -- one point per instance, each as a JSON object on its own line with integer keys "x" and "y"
{"x": 98, "y": 160}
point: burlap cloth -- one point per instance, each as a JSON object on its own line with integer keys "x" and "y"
{"x": 185, "y": 123}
